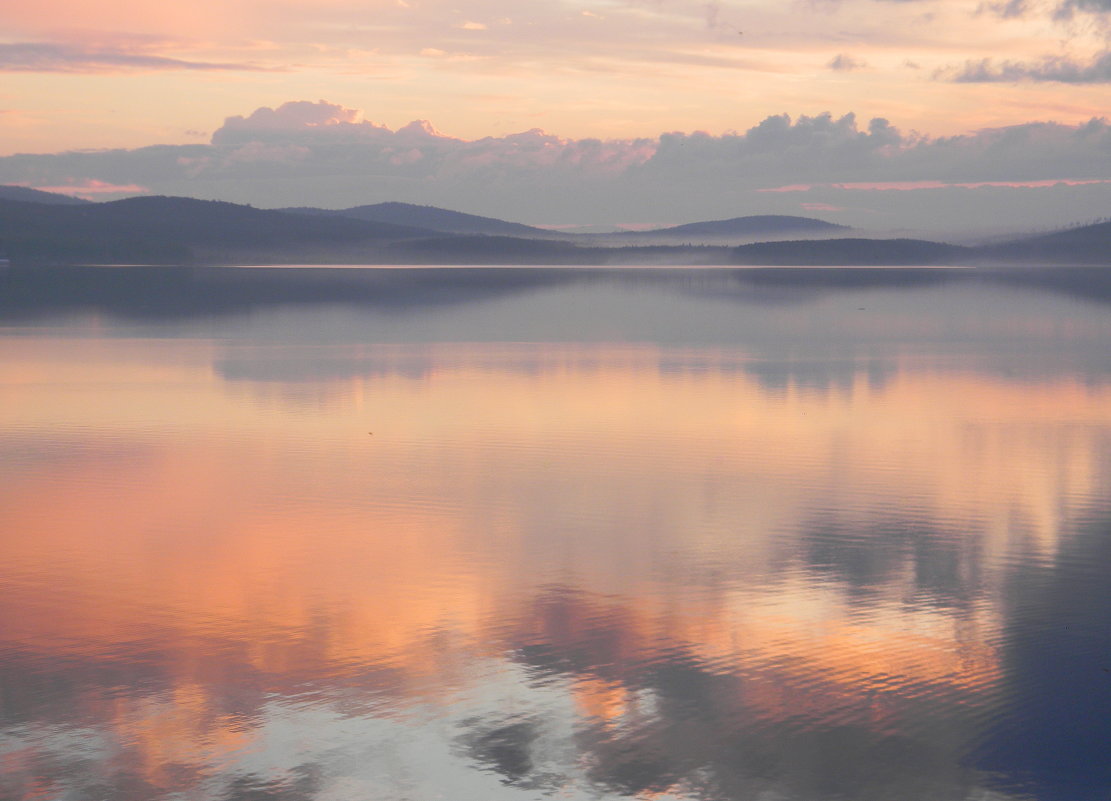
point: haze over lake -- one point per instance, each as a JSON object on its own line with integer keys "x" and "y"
{"x": 558, "y": 533}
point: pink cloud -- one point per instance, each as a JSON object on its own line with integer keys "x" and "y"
{"x": 635, "y": 226}
{"x": 910, "y": 186}
{"x": 90, "y": 188}
{"x": 299, "y": 117}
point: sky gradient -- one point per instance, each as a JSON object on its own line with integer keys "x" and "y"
{"x": 807, "y": 106}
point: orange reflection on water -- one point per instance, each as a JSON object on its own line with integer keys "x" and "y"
{"x": 293, "y": 543}
{"x": 180, "y": 728}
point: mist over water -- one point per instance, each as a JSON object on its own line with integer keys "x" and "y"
{"x": 586, "y": 534}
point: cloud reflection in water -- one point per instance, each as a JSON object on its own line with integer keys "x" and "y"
{"x": 593, "y": 568}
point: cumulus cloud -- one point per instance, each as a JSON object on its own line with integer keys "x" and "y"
{"x": 320, "y": 153}
{"x": 57, "y": 57}
{"x": 1051, "y": 69}
{"x": 296, "y": 119}
{"x": 333, "y": 133}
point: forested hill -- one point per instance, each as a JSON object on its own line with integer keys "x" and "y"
{"x": 27, "y": 195}
{"x": 175, "y": 230}
{"x": 754, "y": 225}
{"x": 165, "y": 230}
{"x": 432, "y": 217}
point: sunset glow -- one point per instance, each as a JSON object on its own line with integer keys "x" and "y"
{"x": 126, "y": 74}
{"x": 316, "y": 548}
{"x": 602, "y": 400}
{"x": 524, "y": 89}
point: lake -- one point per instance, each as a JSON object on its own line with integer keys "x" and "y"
{"x": 781, "y": 535}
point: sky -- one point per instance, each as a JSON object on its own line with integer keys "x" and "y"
{"x": 886, "y": 114}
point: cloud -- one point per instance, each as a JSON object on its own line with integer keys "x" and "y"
{"x": 298, "y": 118}
{"x": 1051, "y": 69}
{"x": 632, "y": 65}
{"x": 845, "y": 63}
{"x": 1007, "y": 9}
{"x": 57, "y": 57}
{"x": 326, "y": 154}
{"x": 715, "y": 21}
{"x": 1068, "y": 8}
{"x": 91, "y": 189}
{"x": 253, "y": 152}
{"x": 1058, "y": 10}
{"x": 911, "y": 186}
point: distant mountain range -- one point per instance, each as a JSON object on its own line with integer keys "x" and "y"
{"x": 431, "y": 217}
{"x": 459, "y": 223}
{"x": 42, "y": 228}
{"x": 755, "y": 225}
{"x": 1085, "y": 244}
{"x": 850, "y": 252}
{"x": 170, "y": 230}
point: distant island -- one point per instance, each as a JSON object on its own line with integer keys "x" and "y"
{"x": 753, "y": 225}
{"x": 44, "y": 228}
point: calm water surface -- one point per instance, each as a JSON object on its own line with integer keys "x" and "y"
{"x": 482, "y": 534}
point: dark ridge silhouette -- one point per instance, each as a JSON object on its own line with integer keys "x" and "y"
{"x": 172, "y": 230}
{"x": 851, "y": 252}
{"x": 431, "y": 217}
{"x": 27, "y": 195}
{"x": 176, "y": 230}
{"x": 234, "y": 223}
{"x": 747, "y": 226}
{"x": 1092, "y": 233}
{"x": 1085, "y": 244}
